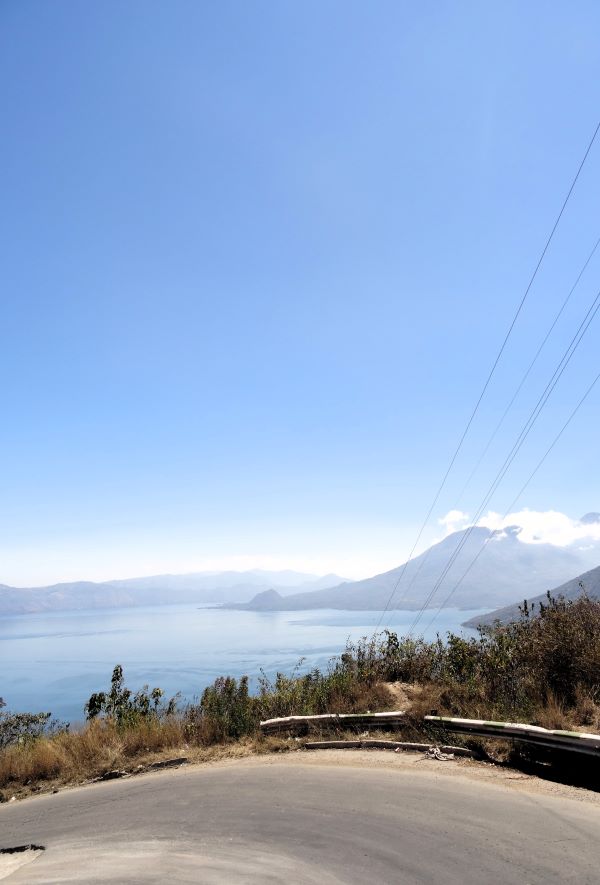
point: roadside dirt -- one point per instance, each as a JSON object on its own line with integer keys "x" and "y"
{"x": 398, "y": 694}
{"x": 277, "y": 752}
{"x": 467, "y": 769}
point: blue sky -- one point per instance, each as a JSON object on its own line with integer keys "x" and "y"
{"x": 256, "y": 261}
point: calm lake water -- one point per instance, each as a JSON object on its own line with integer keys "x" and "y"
{"x": 55, "y": 661}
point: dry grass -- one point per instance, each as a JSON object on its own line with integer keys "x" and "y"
{"x": 587, "y": 709}
{"x": 543, "y": 670}
{"x": 73, "y": 757}
{"x": 225, "y": 723}
{"x": 552, "y": 714}
{"x": 69, "y": 759}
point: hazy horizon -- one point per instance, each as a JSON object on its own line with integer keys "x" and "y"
{"x": 551, "y": 527}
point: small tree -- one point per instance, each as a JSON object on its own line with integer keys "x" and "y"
{"x": 19, "y": 728}
{"x": 124, "y": 707}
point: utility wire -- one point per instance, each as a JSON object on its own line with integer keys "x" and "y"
{"x": 561, "y": 310}
{"x": 528, "y": 372}
{"x": 503, "y": 470}
{"x": 491, "y": 373}
{"x": 564, "y": 362}
{"x": 516, "y": 498}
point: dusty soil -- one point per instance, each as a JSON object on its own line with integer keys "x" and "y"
{"x": 463, "y": 768}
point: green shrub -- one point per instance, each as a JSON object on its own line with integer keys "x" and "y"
{"x": 123, "y": 706}
{"x": 227, "y": 710}
{"x": 549, "y": 657}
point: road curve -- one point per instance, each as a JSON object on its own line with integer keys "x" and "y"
{"x": 301, "y": 824}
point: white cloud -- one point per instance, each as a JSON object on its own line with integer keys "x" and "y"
{"x": 545, "y": 527}
{"x": 454, "y": 521}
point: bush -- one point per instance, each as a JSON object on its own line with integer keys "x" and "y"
{"x": 548, "y": 660}
{"x": 125, "y": 708}
{"x": 18, "y": 728}
{"x": 226, "y": 711}
{"x": 21, "y": 728}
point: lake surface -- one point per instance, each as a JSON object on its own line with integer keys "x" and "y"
{"x": 55, "y": 661}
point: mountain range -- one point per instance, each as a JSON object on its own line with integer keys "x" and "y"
{"x": 199, "y": 587}
{"x": 507, "y": 568}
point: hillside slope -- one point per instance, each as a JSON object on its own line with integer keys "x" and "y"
{"x": 506, "y": 567}
{"x": 570, "y": 590}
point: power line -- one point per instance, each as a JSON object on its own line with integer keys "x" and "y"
{"x": 507, "y": 409}
{"x": 516, "y": 498}
{"x": 515, "y": 450}
{"x": 528, "y": 372}
{"x": 491, "y": 373}
{"x": 558, "y": 372}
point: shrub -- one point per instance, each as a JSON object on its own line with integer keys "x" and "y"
{"x": 125, "y": 708}
{"x": 226, "y": 710}
{"x": 18, "y": 728}
{"x": 548, "y": 660}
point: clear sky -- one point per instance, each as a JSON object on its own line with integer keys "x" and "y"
{"x": 256, "y": 261}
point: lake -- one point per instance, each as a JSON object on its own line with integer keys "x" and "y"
{"x": 54, "y": 661}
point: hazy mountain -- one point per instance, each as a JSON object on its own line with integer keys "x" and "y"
{"x": 506, "y": 568}
{"x": 570, "y": 590}
{"x": 200, "y": 587}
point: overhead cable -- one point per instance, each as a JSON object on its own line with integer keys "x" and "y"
{"x": 558, "y": 372}
{"x": 517, "y": 497}
{"x": 557, "y": 317}
{"x": 528, "y": 371}
{"x": 491, "y": 373}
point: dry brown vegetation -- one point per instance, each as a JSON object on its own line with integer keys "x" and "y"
{"x": 75, "y": 756}
{"x": 100, "y": 747}
{"x": 543, "y": 669}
